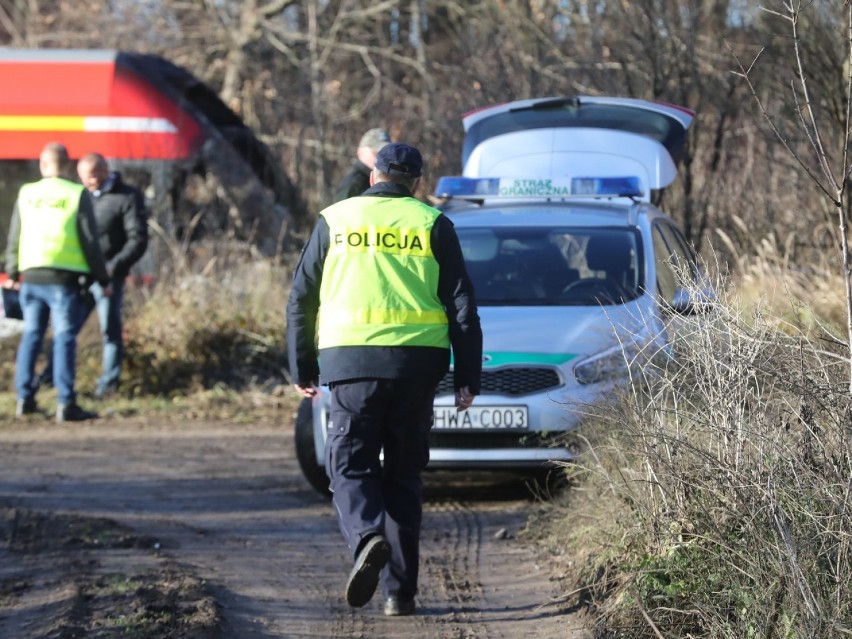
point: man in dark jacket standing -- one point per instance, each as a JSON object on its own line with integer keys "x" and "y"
{"x": 53, "y": 247}
{"x": 358, "y": 179}
{"x": 123, "y": 233}
{"x": 382, "y": 285}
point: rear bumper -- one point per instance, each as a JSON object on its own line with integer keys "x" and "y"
{"x": 494, "y": 458}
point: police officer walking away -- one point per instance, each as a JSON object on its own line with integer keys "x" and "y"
{"x": 53, "y": 244}
{"x": 383, "y": 285}
{"x": 358, "y": 179}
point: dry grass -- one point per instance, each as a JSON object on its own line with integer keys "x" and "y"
{"x": 208, "y": 336}
{"x": 718, "y": 501}
{"x": 218, "y": 323}
{"x": 769, "y": 274}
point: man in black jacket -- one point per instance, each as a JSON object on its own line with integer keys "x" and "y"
{"x": 382, "y": 284}
{"x": 358, "y": 179}
{"x": 123, "y": 233}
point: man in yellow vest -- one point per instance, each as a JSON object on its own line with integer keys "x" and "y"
{"x": 53, "y": 246}
{"x": 382, "y": 290}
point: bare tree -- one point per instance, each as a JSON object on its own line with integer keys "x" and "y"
{"x": 826, "y": 158}
{"x": 309, "y": 76}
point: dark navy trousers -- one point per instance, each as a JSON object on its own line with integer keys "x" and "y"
{"x": 372, "y": 494}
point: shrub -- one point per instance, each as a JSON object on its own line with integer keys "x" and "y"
{"x": 210, "y": 330}
{"x": 221, "y": 326}
{"x": 728, "y": 486}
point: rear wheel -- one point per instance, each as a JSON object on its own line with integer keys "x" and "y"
{"x": 306, "y": 449}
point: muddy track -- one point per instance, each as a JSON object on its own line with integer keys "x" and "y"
{"x": 209, "y": 529}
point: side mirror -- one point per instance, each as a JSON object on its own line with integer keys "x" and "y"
{"x": 691, "y": 302}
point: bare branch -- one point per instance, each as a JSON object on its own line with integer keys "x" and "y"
{"x": 793, "y": 153}
{"x": 848, "y": 124}
{"x": 813, "y": 131}
{"x": 275, "y": 7}
{"x": 9, "y": 24}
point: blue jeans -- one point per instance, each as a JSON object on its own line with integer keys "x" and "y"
{"x": 61, "y": 305}
{"x": 109, "y": 318}
{"x": 108, "y": 310}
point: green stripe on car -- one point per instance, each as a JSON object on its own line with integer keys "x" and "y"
{"x": 493, "y": 360}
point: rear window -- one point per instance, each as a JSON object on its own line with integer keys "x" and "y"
{"x": 570, "y": 113}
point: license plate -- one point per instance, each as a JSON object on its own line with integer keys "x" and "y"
{"x": 481, "y": 418}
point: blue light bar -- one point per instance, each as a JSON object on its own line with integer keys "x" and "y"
{"x": 467, "y": 187}
{"x": 551, "y": 188}
{"x": 602, "y": 186}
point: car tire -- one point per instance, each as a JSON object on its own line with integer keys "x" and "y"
{"x": 306, "y": 449}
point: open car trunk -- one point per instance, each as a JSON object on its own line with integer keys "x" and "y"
{"x": 574, "y": 137}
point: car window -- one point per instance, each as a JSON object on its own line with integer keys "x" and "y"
{"x": 665, "y": 267}
{"x": 552, "y": 267}
{"x": 676, "y": 266}
{"x": 686, "y": 268}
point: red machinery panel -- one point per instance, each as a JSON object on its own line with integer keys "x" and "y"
{"x": 89, "y": 101}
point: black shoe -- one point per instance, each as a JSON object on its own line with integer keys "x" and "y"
{"x": 72, "y": 413}
{"x": 26, "y": 406}
{"x": 396, "y": 607}
{"x": 365, "y": 573}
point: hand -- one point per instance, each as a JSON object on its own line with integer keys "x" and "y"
{"x": 107, "y": 290}
{"x": 464, "y": 398}
{"x": 306, "y": 391}
{"x": 11, "y": 284}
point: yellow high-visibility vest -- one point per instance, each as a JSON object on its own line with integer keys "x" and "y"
{"x": 380, "y": 278}
{"x": 48, "y": 213}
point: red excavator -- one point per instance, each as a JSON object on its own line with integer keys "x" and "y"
{"x": 155, "y": 122}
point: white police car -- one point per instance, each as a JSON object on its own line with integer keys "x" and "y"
{"x": 579, "y": 279}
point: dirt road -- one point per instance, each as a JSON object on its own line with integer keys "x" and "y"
{"x": 192, "y": 529}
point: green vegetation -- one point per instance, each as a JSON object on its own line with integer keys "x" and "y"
{"x": 110, "y": 585}
{"x": 150, "y": 605}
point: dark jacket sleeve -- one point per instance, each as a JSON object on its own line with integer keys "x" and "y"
{"x": 303, "y": 309}
{"x": 135, "y": 221}
{"x": 457, "y": 295}
{"x": 87, "y": 230}
{"x": 353, "y": 183}
{"x": 12, "y": 244}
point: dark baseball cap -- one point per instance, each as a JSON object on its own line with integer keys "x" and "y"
{"x": 400, "y": 160}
